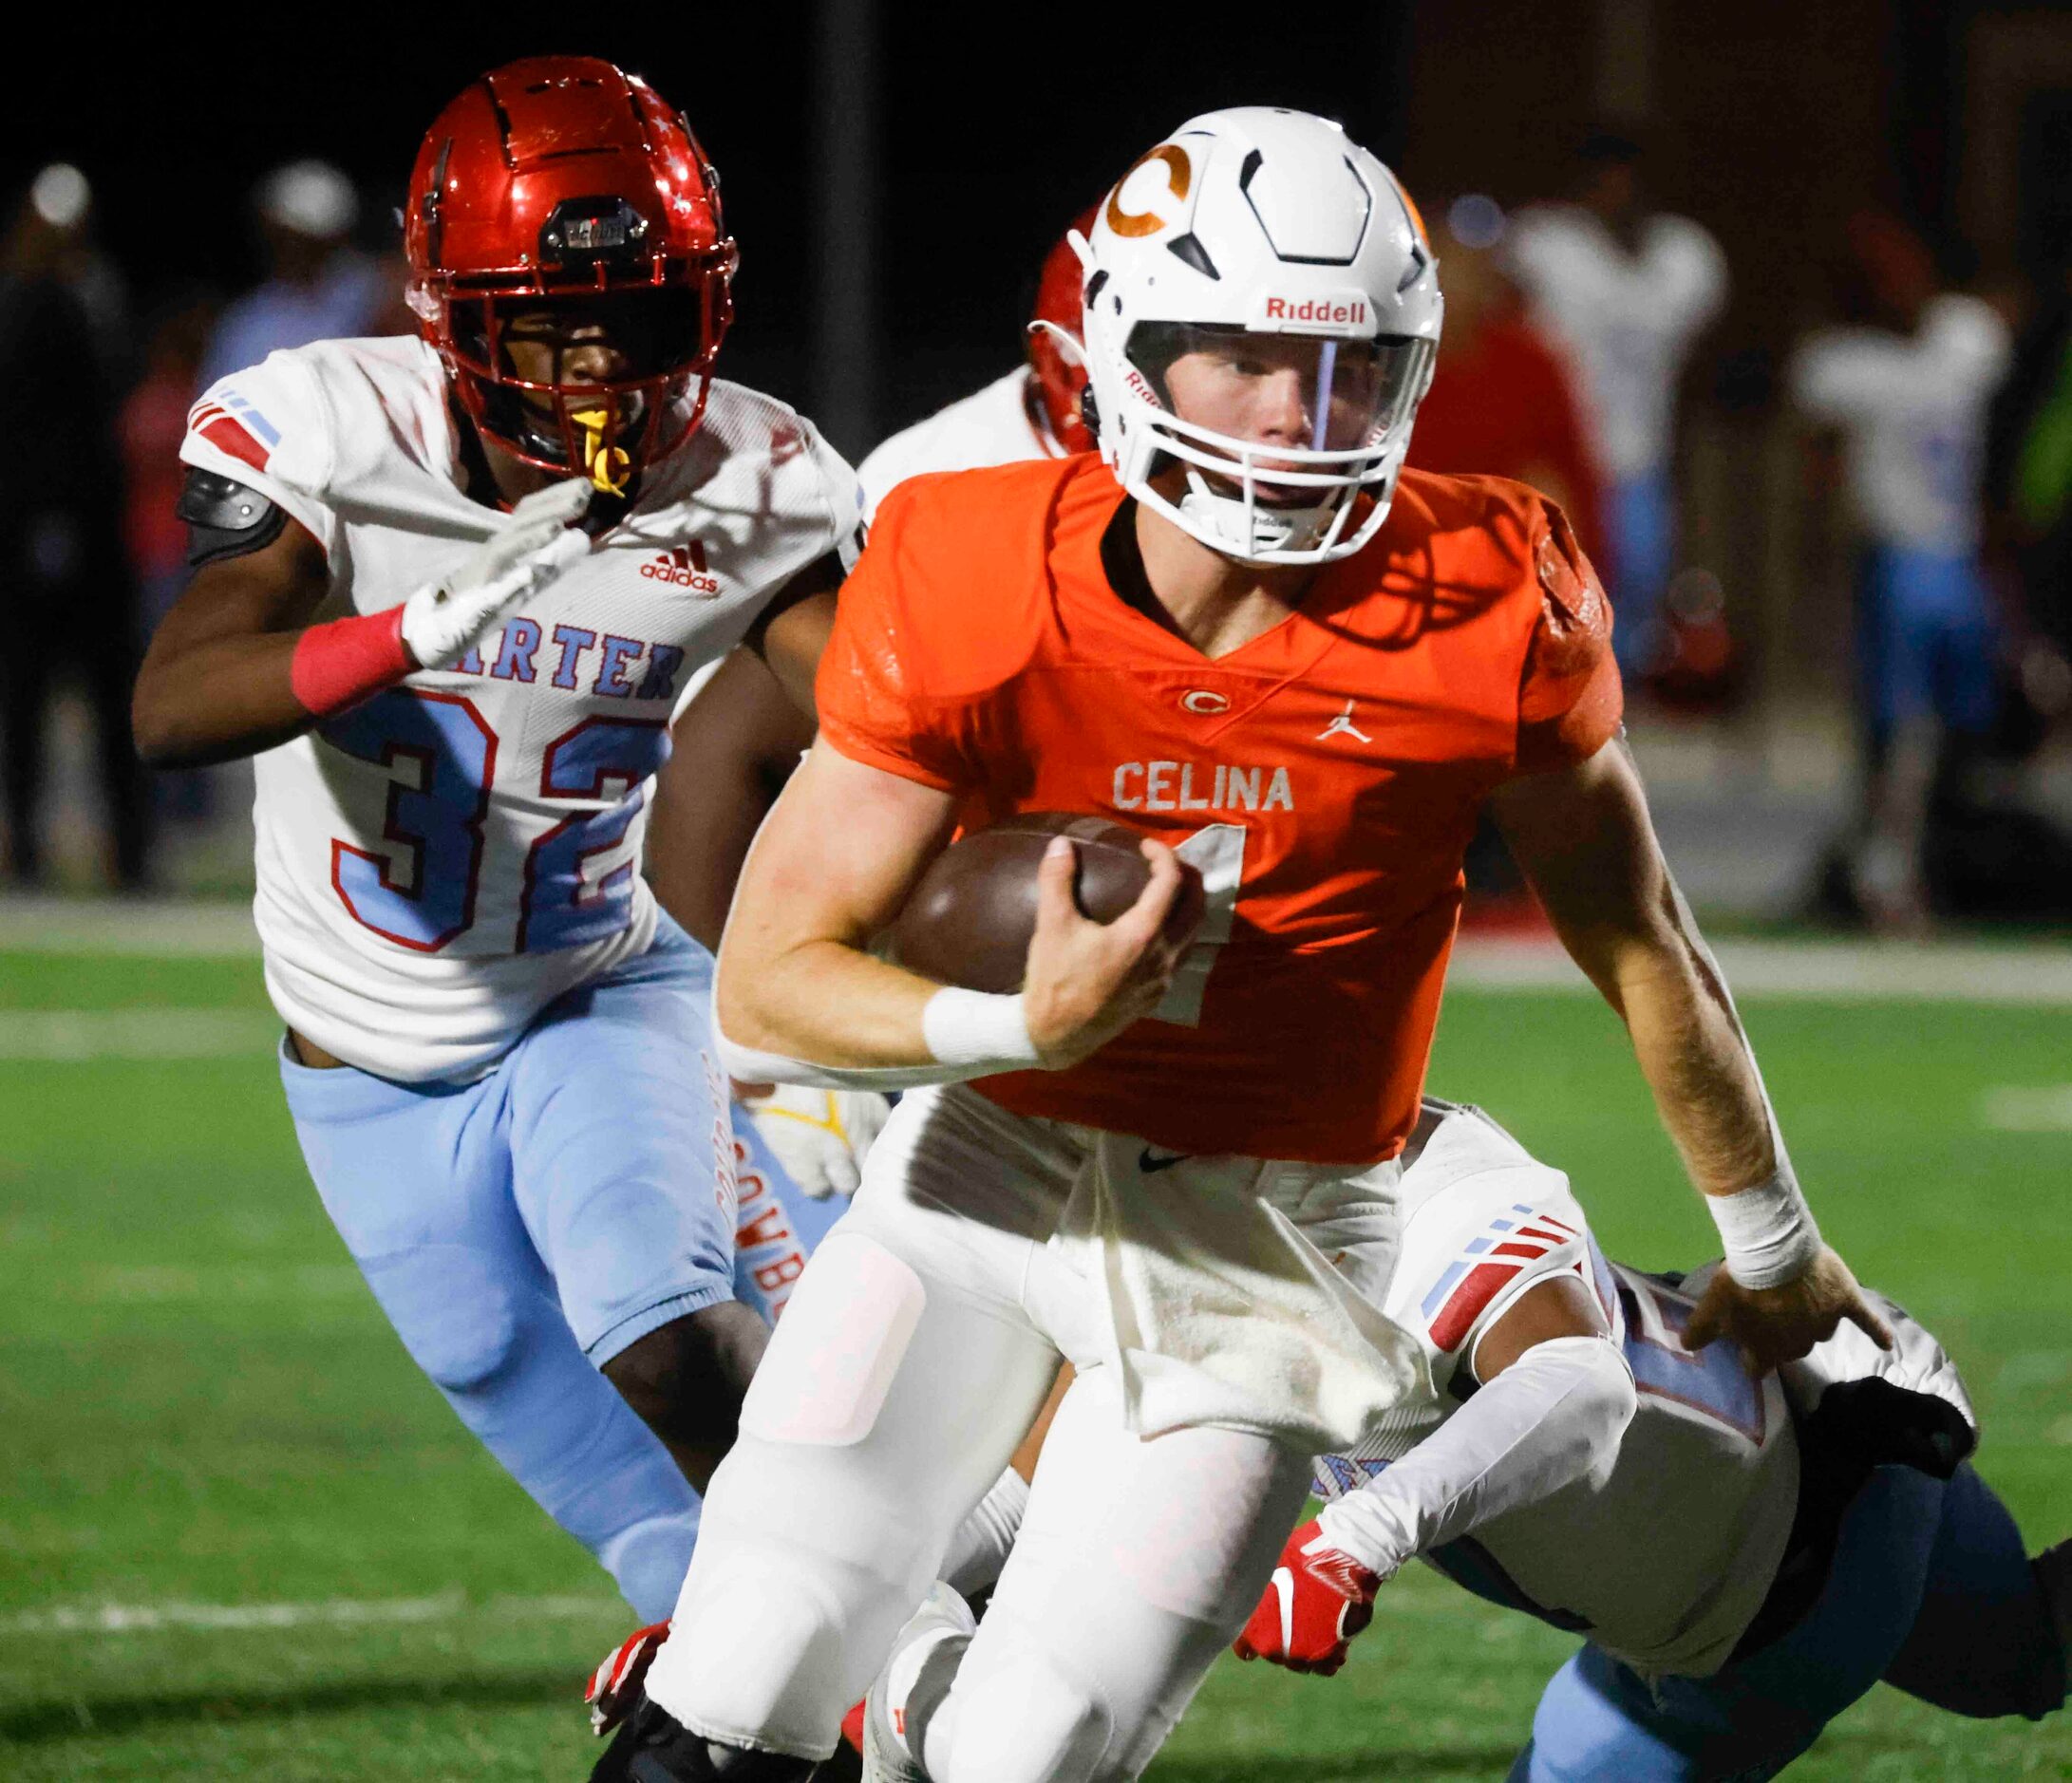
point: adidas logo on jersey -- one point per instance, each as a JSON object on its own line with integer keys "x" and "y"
{"x": 684, "y": 567}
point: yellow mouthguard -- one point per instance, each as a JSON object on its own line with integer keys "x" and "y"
{"x": 608, "y": 468}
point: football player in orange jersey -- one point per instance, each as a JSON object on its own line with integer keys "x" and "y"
{"x": 1173, "y": 1162}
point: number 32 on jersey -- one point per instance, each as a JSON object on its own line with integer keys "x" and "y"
{"x": 441, "y": 757}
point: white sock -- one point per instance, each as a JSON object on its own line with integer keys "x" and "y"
{"x": 980, "y": 1548}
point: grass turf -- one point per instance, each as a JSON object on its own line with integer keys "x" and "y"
{"x": 202, "y": 1407}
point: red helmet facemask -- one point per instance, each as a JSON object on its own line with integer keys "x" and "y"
{"x": 1061, "y": 380}
{"x": 570, "y": 265}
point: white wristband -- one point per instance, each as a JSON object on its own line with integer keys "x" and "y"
{"x": 976, "y": 1028}
{"x": 1768, "y": 1230}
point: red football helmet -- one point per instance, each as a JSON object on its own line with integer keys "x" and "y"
{"x": 559, "y": 183}
{"x": 1061, "y": 379}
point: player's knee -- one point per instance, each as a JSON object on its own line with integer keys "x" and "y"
{"x": 769, "y": 1645}
{"x": 1029, "y": 1721}
{"x": 462, "y": 1326}
{"x": 687, "y": 1379}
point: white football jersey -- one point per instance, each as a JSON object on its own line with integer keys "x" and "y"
{"x": 1630, "y": 319}
{"x": 438, "y": 864}
{"x": 1913, "y": 411}
{"x": 1000, "y": 425}
{"x": 1666, "y": 1560}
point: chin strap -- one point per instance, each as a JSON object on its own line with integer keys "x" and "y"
{"x": 1270, "y": 529}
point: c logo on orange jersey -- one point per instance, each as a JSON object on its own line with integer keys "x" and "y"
{"x": 1204, "y": 702}
{"x": 1179, "y": 177}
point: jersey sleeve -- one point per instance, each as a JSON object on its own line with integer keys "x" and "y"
{"x": 874, "y": 686}
{"x": 1693, "y": 281}
{"x": 268, "y": 427}
{"x": 1471, "y": 1250}
{"x": 1569, "y": 698}
{"x": 843, "y": 494}
{"x": 1840, "y": 375}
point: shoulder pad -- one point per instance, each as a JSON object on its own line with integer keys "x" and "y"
{"x": 225, "y": 519}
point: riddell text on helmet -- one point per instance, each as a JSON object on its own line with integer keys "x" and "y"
{"x": 1352, "y": 312}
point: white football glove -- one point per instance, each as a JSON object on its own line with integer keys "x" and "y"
{"x": 445, "y": 620}
{"x": 820, "y": 1136}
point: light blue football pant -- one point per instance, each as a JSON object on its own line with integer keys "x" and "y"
{"x": 1641, "y": 512}
{"x": 1927, "y": 641}
{"x": 522, "y": 1231}
{"x": 1931, "y": 1590}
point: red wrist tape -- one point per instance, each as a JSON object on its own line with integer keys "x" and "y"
{"x": 336, "y": 665}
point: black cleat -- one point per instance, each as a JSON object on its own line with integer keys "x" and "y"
{"x": 651, "y": 1746}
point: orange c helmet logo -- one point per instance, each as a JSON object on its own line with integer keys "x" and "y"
{"x": 1179, "y": 177}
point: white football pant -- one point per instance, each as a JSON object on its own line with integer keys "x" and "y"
{"x": 917, "y": 1351}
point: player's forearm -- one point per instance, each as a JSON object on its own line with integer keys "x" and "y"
{"x": 217, "y": 701}
{"x": 1554, "y": 1416}
{"x": 819, "y": 1000}
{"x": 1697, "y": 1061}
{"x": 824, "y": 1013}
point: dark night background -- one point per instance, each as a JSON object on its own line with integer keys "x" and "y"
{"x": 957, "y": 141}
{"x": 986, "y": 148}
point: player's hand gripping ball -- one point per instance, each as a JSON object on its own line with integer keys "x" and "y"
{"x": 971, "y": 917}
{"x": 1317, "y": 1599}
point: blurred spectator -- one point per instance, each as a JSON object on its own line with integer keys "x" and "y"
{"x": 150, "y": 426}
{"x": 316, "y": 286}
{"x": 152, "y": 423}
{"x": 1628, "y": 290}
{"x": 64, "y": 590}
{"x": 1907, "y": 393}
{"x": 1502, "y": 401}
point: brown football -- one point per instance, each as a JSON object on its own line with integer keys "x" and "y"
{"x": 969, "y": 920}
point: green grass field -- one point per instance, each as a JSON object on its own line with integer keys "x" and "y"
{"x": 202, "y": 1416}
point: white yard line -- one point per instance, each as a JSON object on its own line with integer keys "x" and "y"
{"x": 85, "y": 1035}
{"x": 205, "y": 928}
{"x": 330, "y": 1612}
{"x": 1839, "y": 971}
{"x": 2014, "y": 1108}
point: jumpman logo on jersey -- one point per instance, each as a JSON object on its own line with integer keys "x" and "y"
{"x": 1342, "y": 726}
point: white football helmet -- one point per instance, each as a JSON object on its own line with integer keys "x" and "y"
{"x": 1258, "y": 222}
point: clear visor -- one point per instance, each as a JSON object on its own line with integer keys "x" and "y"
{"x": 1302, "y": 393}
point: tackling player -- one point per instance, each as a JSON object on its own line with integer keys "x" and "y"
{"x": 1747, "y": 1557}
{"x": 1239, "y": 629}
{"x": 498, "y": 1058}
{"x": 1747, "y": 1560}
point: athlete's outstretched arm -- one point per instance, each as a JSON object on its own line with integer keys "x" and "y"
{"x": 801, "y": 999}
{"x": 1585, "y": 840}
{"x": 1553, "y": 1400}
{"x": 237, "y": 667}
